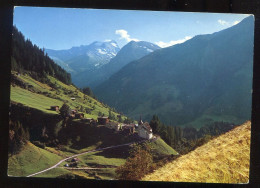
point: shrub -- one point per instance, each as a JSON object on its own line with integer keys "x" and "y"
{"x": 137, "y": 165}
{"x": 18, "y": 136}
{"x": 65, "y": 110}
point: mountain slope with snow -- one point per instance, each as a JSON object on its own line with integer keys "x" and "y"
{"x": 85, "y": 57}
{"x": 130, "y": 52}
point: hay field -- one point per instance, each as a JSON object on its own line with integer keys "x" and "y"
{"x": 225, "y": 159}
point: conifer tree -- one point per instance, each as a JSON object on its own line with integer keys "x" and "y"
{"x": 155, "y": 124}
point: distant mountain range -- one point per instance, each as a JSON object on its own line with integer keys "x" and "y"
{"x": 92, "y": 64}
{"x": 131, "y": 51}
{"x": 85, "y": 57}
{"x": 208, "y": 78}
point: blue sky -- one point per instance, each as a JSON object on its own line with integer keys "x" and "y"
{"x": 63, "y": 28}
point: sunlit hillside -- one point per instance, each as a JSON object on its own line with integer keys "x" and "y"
{"x": 35, "y": 94}
{"x": 225, "y": 159}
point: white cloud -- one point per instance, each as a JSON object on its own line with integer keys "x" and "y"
{"x": 172, "y": 42}
{"x": 124, "y": 35}
{"x": 235, "y": 22}
{"x": 223, "y": 22}
{"x": 108, "y": 40}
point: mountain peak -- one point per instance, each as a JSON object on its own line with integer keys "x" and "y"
{"x": 142, "y": 44}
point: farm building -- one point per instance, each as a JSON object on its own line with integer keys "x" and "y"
{"x": 73, "y": 98}
{"x": 130, "y": 128}
{"x": 93, "y": 122}
{"x": 103, "y": 120}
{"x": 72, "y": 113}
{"x": 88, "y": 120}
{"x": 74, "y": 160}
{"x": 55, "y": 108}
{"x": 144, "y": 130}
{"x": 113, "y": 125}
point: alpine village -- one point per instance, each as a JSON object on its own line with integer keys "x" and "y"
{"x": 59, "y": 129}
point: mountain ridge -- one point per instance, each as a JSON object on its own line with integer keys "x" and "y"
{"x": 130, "y": 52}
{"x": 85, "y": 57}
{"x": 193, "y": 80}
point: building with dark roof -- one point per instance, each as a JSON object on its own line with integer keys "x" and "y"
{"x": 103, "y": 120}
{"x": 144, "y": 130}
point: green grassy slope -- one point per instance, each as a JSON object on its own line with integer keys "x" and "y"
{"x": 33, "y": 100}
{"x": 30, "y": 160}
{"x": 75, "y": 137}
{"x": 54, "y": 173}
{"x": 41, "y": 96}
{"x": 95, "y": 158}
{"x": 161, "y": 148}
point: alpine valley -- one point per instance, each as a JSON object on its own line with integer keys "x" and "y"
{"x": 205, "y": 79}
{"x": 152, "y": 109}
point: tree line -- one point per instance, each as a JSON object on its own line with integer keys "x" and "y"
{"x": 27, "y": 57}
{"x": 141, "y": 161}
{"x": 187, "y": 139}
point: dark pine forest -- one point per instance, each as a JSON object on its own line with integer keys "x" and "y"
{"x": 29, "y": 58}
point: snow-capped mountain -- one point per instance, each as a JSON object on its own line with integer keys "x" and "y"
{"x": 85, "y": 57}
{"x": 130, "y": 52}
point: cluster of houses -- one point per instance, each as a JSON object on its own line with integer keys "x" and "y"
{"x": 72, "y": 114}
{"x": 143, "y": 129}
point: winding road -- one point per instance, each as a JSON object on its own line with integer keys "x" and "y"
{"x": 91, "y": 151}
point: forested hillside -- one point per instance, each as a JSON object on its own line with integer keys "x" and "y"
{"x": 28, "y": 57}
{"x": 201, "y": 81}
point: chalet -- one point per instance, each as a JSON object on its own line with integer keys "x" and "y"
{"x": 103, "y": 120}
{"x": 144, "y": 130}
{"x": 88, "y": 120}
{"x": 72, "y": 113}
{"x": 113, "y": 125}
{"x": 74, "y": 160}
{"x": 130, "y": 128}
{"x": 73, "y": 98}
{"x": 79, "y": 115}
{"x": 93, "y": 122}
{"x": 55, "y": 108}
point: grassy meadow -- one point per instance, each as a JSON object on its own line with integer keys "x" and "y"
{"x": 31, "y": 160}
{"x": 41, "y": 96}
{"x": 161, "y": 148}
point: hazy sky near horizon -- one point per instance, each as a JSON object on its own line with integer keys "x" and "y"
{"x": 63, "y": 28}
